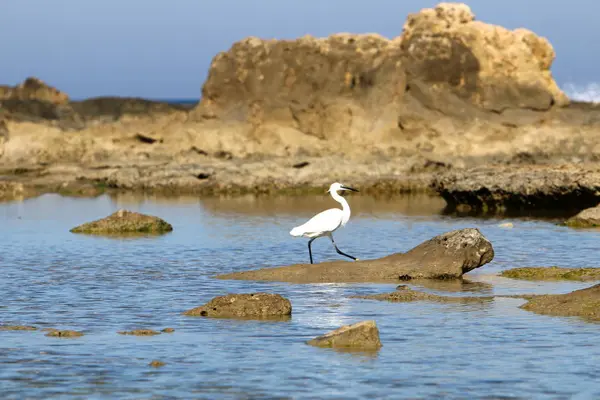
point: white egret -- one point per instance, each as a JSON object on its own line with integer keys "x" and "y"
{"x": 326, "y": 222}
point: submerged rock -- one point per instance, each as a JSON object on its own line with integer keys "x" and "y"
{"x": 17, "y": 328}
{"x": 362, "y": 335}
{"x": 449, "y": 255}
{"x": 167, "y": 330}
{"x": 63, "y": 333}
{"x": 252, "y": 305}
{"x": 139, "y": 332}
{"x": 124, "y": 222}
{"x": 405, "y": 294}
{"x": 584, "y": 303}
{"x": 156, "y": 364}
{"x": 588, "y": 218}
{"x": 553, "y": 273}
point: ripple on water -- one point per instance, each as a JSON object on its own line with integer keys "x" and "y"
{"x": 52, "y": 278}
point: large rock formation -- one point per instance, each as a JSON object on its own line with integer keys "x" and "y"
{"x": 33, "y": 89}
{"x": 446, "y": 256}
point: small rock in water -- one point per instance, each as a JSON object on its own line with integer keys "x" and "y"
{"x": 139, "y": 332}
{"x": 588, "y": 218}
{"x": 249, "y": 305}
{"x": 17, "y": 328}
{"x": 63, "y": 333}
{"x": 168, "y": 330}
{"x": 156, "y": 364}
{"x": 506, "y": 225}
{"x": 362, "y": 335}
{"x": 123, "y": 222}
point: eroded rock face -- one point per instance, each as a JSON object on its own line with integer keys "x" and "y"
{"x": 251, "y": 305}
{"x": 34, "y": 89}
{"x": 553, "y": 273}
{"x": 499, "y": 189}
{"x": 584, "y": 303}
{"x": 362, "y": 335}
{"x": 449, "y": 255}
{"x": 588, "y": 218}
{"x": 125, "y": 222}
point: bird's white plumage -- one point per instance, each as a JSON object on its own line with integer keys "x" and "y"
{"x": 321, "y": 224}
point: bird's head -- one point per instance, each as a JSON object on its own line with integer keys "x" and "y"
{"x": 336, "y": 187}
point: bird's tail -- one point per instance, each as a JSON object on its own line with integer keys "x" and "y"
{"x": 297, "y": 231}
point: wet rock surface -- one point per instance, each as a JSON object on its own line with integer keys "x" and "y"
{"x": 157, "y": 364}
{"x": 588, "y": 218}
{"x": 553, "y": 273}
{"x": 63, "y": 333}
{"x": 17, "y": 328}
{"x": 139, "y": 332}
{"x": 404, "y": 294}
{"x": 362, "y": 335}
{"x": 584, "y": 303}
{"x": 125, "y": 222}
{"x": 245, "y": 305}
{"x": 446, "y": 256}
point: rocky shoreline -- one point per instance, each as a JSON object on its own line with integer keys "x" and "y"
{"x": 471, "y": 113}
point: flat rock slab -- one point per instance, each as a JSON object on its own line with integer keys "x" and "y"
{"x": 362, "y": 335}
{"x": 139, "y": 332}
{"x": 584, "y": 303}
{"x": 449, "y": 255}
{"x": 245, "y": 305}
{"x": 552, "y": 273}
{"x": 588, "y": 218}
{"x": 17, "y": 328}
{"x": 404, "y": 294}
{"x": 125, "y": 222}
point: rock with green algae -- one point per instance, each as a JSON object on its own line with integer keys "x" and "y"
{"x": 583, "y": 303}
{"x": 125, "y": 222}
{"x": 553, "y": 273}
{"x": 588, "y": 218}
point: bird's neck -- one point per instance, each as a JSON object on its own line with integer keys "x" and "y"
{"x": 345, "y": 207}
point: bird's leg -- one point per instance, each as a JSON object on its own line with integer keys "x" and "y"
{"x": 339, "y": 251}
{"x": 309, "y": 249}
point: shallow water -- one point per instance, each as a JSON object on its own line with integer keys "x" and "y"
{"x": 52, "y": 278}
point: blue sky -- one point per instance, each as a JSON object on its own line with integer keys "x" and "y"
{"x": 162, "y": 49}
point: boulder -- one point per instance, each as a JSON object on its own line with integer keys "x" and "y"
{"x": 362, "y": 335}
{"x": 251, "y": 305}
{"x": 588, "y": 218}
{"x": 553, "y": 273}
{"x": 449, "y": 255}
{"x": 404, "y": 294}
{"x": 125, "y": 222}
{"x": 584, "y": 303}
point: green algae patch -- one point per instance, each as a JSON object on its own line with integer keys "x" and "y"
{"x": 125, "y": 222}
{"x": 553, "y": 273}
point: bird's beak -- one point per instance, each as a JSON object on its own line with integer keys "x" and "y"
{"x": 349, "y": 188}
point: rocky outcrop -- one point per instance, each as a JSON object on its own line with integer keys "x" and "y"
{"x": 125, "y": 222}
{"x": 584, "y": 303}
{"x": 362, "y": 335}
{"x": 250, "y": 305}
{"x": 588, "y": 218}
{"x": 553, "y": 273}
{"x": 404, "y": 294}
{"x": 446, "y": 256}
{"x": 33, "y": 89}
{"x": 502, "y": 189}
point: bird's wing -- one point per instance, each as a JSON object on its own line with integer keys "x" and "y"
{"x": 326, "y": 221}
